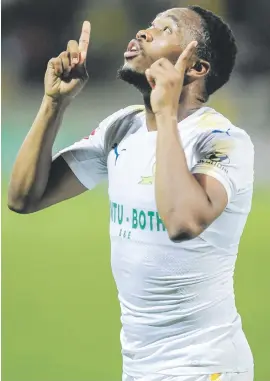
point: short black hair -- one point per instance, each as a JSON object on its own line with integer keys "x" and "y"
{"x": 217, "y": 46}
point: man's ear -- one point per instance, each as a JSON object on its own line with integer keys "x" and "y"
{"x": 198, "y": 70}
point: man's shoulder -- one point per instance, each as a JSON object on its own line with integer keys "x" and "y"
{"x": 120, "y": 114}
{"x": 120, "y": 124}
{"x": 212, "y": 122}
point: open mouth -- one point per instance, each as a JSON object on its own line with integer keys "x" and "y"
{"x": 133, "y": 49}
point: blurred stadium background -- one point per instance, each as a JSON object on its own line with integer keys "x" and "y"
{"x": 60, "y": 318}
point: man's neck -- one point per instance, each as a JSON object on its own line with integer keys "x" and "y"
{"x": 184, "y": 110}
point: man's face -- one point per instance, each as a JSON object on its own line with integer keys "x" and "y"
{"x": 167, "y": 36}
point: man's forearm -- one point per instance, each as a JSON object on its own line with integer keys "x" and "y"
{"x": 180, "y": 198}
{"x": 31, "y": 169}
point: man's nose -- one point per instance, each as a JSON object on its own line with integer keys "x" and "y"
{"x": 144, "y": 35}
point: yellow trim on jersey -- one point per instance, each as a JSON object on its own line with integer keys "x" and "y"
{"x": 148, "y": 180}
{"x": 135, "y": 108}
{"x": 215, "y": 377}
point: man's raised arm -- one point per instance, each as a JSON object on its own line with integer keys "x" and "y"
{"x": 36, "y": 181}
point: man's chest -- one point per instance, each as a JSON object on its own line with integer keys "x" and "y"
{"x": 132, "y": 165}
{"x": 131, "y": 174}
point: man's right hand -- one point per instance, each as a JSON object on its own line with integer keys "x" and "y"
{"x": 66, "y": 75}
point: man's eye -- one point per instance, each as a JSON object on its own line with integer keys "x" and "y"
{"x": 167, "y": 29}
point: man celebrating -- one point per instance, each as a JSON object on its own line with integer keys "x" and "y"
{"x": 180, "y": 186}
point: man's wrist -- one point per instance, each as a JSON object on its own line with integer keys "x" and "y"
{"x": 55, "y": 104}
{"x": 165, "y": 117}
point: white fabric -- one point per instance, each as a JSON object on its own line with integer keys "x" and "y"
{"x": 177, "y": 302}
{"x": 247, "y": 376}
{"x": 87, "y": 158}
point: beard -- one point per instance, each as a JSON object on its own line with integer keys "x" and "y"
{"x": 137, "y": 80}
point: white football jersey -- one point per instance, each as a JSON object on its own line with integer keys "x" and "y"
{"x": 177, "y": 300}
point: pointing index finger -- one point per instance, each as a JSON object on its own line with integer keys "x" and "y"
{"x": 183, "y": 60}
{"x": 85, "y": 38}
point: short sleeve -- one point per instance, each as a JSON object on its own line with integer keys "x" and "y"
{"x": 87, "y": 158}
{"x": 228, "y": 156}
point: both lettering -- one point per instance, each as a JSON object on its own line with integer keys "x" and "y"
{"x": 150, "y": 219}
{"x": 139, "y": 219}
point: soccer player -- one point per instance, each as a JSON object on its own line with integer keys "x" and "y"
{"x": 180, "y": 186}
